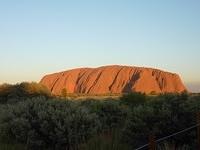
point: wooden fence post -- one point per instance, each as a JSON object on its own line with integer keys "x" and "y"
{"x": 198, "y": 130}
{"x": 152, "y": 142}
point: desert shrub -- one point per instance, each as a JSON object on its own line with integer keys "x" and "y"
{"x": 106, "y": 141}
{"x": 44, "y": 123}
{"x": 138, "y": 126}
{"x": 19, "y": 92}
{"x": 64, "y": 93}
{"x": 34, "y": 89}
{"x": 5, "y": 89}
{"x": 110, "y": 113}
{"x": 172, "y": 146}
{"x": 47, "y": 124}
{"x": 165, "y": 115}
{"x": 4, "y": 146}
{"x": 133, "y": 99}
{"x": 193, "y": 103}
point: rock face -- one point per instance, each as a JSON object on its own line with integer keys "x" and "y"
{"x": 113, "y": 79}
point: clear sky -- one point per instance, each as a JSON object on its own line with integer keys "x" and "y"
{"x": 44, "y": 36}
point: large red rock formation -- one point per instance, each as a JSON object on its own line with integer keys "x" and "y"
{"x": 113, "y": 79}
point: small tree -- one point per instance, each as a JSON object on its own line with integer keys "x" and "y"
{"x": 64, "y": 93}
{"x": 153, "y": 93}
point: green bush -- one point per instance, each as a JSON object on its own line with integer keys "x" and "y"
{"x": 22, "y": 91}
{"x": 4, "y": 146}
{"x": 110, "y": 113}
{"x": 133, "y": 99}
{"x": 43, "y": 124}
{"x": 165, "y": 115}
{"x": 106, "y": 141}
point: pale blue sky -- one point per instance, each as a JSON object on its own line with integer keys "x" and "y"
{"x": 45, "y": 36}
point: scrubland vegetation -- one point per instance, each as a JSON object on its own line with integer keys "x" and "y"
{"x": 30, "y": 118}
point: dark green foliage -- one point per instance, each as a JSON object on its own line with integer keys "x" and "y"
{"x": 162, "y": 116}
{"x": 38, "y": 121}
{"x": 106, "y": 141}
{"x": 110, "y": 113}
{"x": 133, "y": 99}
{"x": 4, "y": 146}
{"x": 19, "y": 92}
{"x": 43, "y": 124}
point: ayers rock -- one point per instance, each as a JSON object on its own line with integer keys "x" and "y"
{"x": 113, "y": 79}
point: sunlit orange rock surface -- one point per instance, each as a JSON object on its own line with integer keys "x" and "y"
{"x": 113, "y": 79}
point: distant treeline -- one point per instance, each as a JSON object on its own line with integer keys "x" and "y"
{"x": 30, "y": 118}
{"x": 17, "y": 92}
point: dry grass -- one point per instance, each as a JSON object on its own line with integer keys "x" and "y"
{"x": 92, "y": 96}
